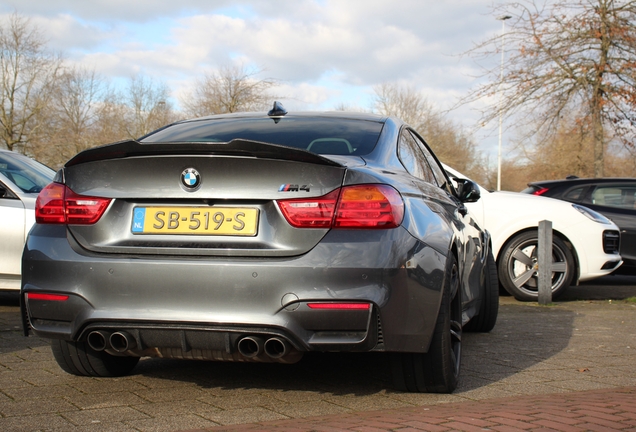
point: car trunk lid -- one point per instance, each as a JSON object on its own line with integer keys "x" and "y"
{"x": 199, "y": 199}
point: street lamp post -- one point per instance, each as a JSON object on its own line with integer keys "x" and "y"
{"x": 503, "y": 19}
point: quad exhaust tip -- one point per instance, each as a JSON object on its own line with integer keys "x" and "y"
{"x": 273, "y": 347}
{"x": 97, "y": 340}
{"x": 250, "y": 346}
{"x": 276, "y": 348}
{"x": 122, "y": 341}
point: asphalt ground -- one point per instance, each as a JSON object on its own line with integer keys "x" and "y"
{"x": 567, "y": 366}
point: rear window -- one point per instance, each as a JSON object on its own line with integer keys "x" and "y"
{"x": 318, "y": 135}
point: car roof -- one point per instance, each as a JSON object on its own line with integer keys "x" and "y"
{"x": 20, "y": 156}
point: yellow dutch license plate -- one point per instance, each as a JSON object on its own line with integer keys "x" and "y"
{"x": 226, "y": 221}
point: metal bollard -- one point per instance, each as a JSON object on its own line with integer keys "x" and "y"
{"x": 544, "y": 276}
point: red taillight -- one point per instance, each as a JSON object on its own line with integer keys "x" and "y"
{"x": 49, "y": 206}
{"x": 311, "y": 212}
{"x": 360, "y": 206}
{"x": 57, "y": 204}
{"x": 540, "y": 191}
{"x": 47, "y": 297}
{"x": 369, "y": 206}
{"x": 340, "y": 306}
{"x": 82, "y": 209}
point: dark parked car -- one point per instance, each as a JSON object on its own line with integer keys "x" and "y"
{"x": 260, "y": 237}
{"x": 613, "y": 197}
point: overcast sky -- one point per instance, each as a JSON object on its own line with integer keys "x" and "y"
{"x": 324, "y": 52}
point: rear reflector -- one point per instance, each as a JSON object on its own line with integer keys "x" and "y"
{"x": 47, "y": 297}
{"x": 57, "y": 204}
{"x": 340, "y": 306}
{"x": 360, "y": 206}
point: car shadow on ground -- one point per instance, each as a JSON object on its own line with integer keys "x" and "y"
{"x": 356, "y": 374}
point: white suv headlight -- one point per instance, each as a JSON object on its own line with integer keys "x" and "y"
{"x": 595, "y": 216}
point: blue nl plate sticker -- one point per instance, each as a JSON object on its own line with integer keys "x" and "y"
{"x": 139, "y": 216}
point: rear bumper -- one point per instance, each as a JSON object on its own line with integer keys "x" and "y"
{"x": 199, "y": 303}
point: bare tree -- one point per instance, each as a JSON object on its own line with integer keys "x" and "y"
{"x": 112, "y": 119}
{"x": 28, "y": 73}
{"x": 228, "y": 90}
{"x": 404, "y": 102}
{"x": 85, "y": 112}
{"x": 569, "y": 150}
{"x": 78, "y": 93}
{"x": 568, "y": 58}
{"x": 69, "y": 123}
{"x": 451, "y": 143}
{"x": 148, "y": 106}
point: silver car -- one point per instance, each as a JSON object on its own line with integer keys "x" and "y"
{"x": 260, "y": 237}
{"x": 21, "y": 179}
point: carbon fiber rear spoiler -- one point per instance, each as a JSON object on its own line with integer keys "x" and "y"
{"x": 236, "y": 147}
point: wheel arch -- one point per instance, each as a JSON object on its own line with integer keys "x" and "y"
{"x": 454, "y": 251}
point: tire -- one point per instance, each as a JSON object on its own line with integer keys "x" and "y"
{"x": 436, "y": 371}
{"x": 77, "y": 358}
{"x": 486, "y": 318}
{"x": 518, "y": 266}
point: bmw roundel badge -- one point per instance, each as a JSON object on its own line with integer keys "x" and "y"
{"x": 191, "y": 179}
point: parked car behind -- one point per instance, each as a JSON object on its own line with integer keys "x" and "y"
{"x": 585, "y": 243}
{"x": 21, "y": 179}
{"x": 254, "y": 237}
{"x": 613, "y": 197}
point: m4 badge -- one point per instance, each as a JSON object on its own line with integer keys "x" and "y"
{"x": 293, "y": 188}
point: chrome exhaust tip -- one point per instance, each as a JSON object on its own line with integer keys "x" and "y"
{"x": 97, "y": 340}
{"x": 122, "y": 341}
{"x": 250, "y": 346}
{"x": 276, "y": 348}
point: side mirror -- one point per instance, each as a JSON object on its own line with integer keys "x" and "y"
{"x": 468, "y": 191}
{"x": 3, "y": 192}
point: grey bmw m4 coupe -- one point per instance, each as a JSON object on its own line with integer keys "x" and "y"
{"x": 260, "y": 237}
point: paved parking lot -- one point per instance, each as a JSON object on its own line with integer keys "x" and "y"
{"x": 585, "y": 343}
